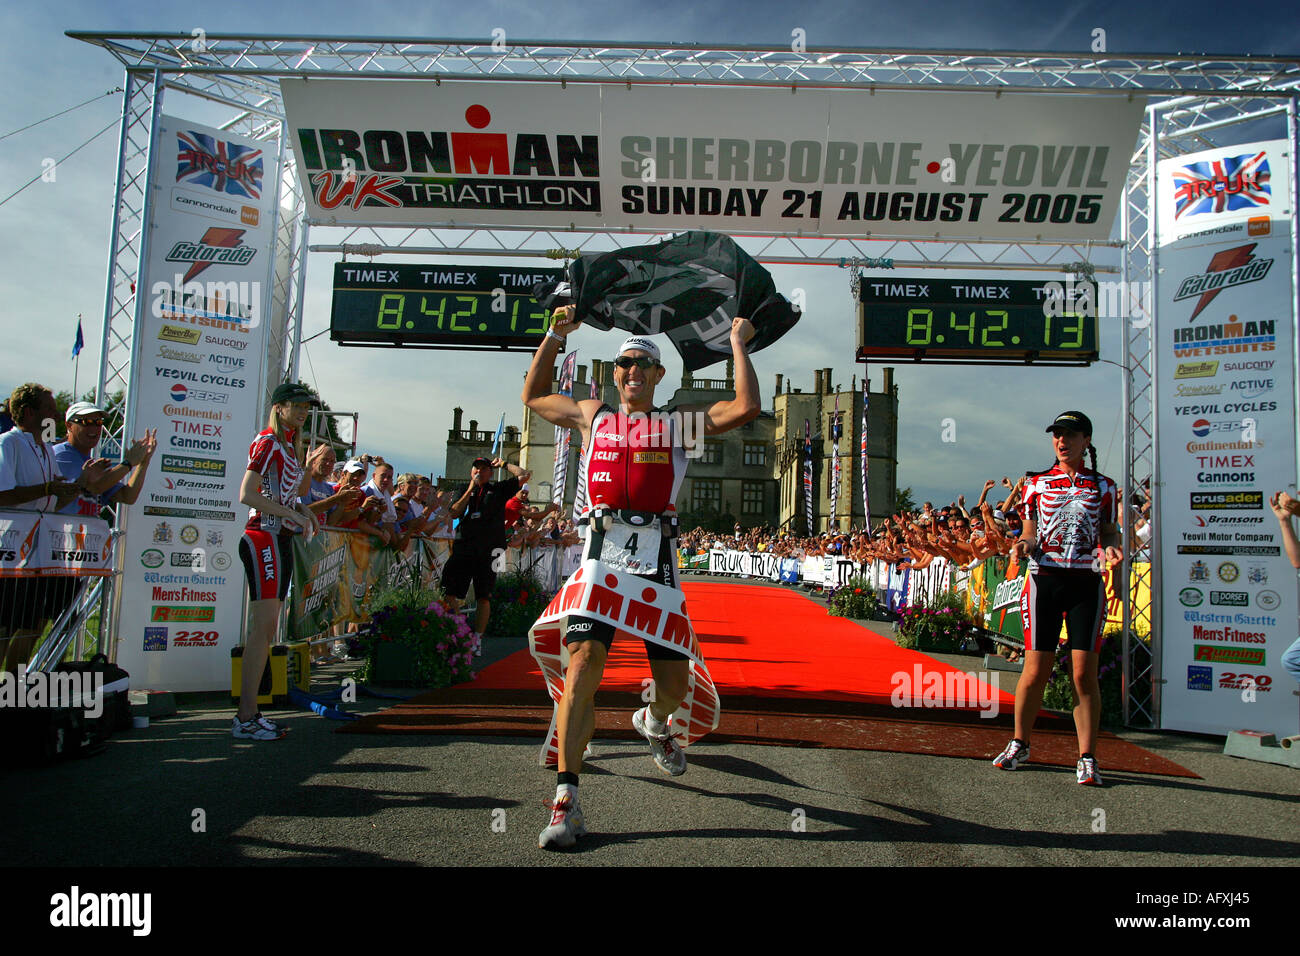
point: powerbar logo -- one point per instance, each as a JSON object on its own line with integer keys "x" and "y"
{"x": 1229, "y": 655}
{"x": 1227, "y": 269}
{"x": 172, "y": 614}
{"x": 1196, "y": 369}
{"x": 179, "y": 335}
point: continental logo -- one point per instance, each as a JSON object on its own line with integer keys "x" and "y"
{"x": 171, "y": 613}
{"x": 650, "y": 457}
{"x": 178, "y": 335}
{"x": 1230, "y": 655}
{"x": 1196, "y": 369}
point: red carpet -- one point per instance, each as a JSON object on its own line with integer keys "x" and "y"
{"x": 765, "y": 642}
{"x": 789, "y": 675}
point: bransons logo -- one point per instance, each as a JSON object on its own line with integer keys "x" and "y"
{"x": 152, "y": 558}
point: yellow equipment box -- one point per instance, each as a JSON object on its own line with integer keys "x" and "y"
{"x": 289, "y": 665}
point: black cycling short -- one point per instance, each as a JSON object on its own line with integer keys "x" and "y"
{"x": 582, "y": 628}
{"x": 268, "y": 564}
{"x": 1076, "y": 597}
{"x": 464, "y": 567}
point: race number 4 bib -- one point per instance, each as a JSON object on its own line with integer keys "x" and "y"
{"x": 630, "y": 548}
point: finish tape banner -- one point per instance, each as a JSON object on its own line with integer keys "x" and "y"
{"x": 36, "y": 544}
{"x": 335, "y": 573}
{"x": 654, "y": 159}
{"x": 1224, "y": 383}
{"x": 199, "y": 347}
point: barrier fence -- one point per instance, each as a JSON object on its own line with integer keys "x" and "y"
{"x": 988, "y": 592}
{"x": 338, "y": 571}
{"x": 53, "y": 569}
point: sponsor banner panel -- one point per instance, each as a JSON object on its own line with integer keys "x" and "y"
{"x": 653, "y": 158}
{"x": 1226, "y": 432}
{"x": 199, "y": 349}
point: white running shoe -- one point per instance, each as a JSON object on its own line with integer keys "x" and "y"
{"x": 668, "y": 753}
{"x": 1085, "y": 772}
{"x": 565, "y": 827}
{"x": 253, "y": 730}
{"x": 1015, "y": 754}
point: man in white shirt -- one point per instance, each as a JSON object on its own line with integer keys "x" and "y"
{"x": 30, "y": 481}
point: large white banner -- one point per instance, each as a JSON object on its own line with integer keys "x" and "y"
{"x": 654, "y": 158}
{"x": 1226, "y": 438}
{"x": 199, "y": 351}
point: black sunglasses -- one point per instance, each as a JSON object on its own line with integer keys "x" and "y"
{"x": 626, "y": 361}
{"x": 89, "y": 422}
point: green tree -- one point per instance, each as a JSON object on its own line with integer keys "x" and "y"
{"x": 903, "y": 500}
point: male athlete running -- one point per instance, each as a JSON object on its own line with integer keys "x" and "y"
{"x": 635, "y": 460}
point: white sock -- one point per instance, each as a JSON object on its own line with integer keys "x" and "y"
{"x": 653, "y": 723}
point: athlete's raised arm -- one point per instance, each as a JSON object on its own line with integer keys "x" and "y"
{"x": 557, "y": 409}
{"x": 725, "y": 415}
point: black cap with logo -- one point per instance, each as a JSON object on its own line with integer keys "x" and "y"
{"x": 292, "y": 393}
{"x": 1073, "y": 422}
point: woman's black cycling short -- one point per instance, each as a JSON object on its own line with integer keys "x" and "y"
{"x": 1076, "y": 597}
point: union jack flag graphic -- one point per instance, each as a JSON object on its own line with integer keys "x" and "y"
{"x": 1233, "y": 182}
{"x": 225, "y": 167}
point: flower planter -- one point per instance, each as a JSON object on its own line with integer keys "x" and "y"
{"x": 392, "y": 663}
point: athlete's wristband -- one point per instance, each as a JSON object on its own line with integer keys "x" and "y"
{"x": 550, "y": 334}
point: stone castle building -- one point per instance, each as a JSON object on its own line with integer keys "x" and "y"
{"x": 753, "y": 474}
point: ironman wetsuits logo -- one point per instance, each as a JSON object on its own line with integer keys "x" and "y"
{"x": 454, "y": 169}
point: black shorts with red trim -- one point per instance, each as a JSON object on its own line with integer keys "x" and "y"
{"x": 268, "y": 564}
{"x": 1077, "y": 598}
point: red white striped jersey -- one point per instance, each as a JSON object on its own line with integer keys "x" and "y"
{"x": 281, "y": 477}
{"x": 634, "y": 462}
{"x": 1069, "y": 514}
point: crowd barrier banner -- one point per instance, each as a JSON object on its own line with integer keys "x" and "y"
{"x": 335, "y": 573}
{"x": 749, "y": 564}
{"x": 987, "y": 594}
{"x": 34, "y": 543}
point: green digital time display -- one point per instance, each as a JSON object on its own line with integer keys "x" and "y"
{"x": 484, "y": 307}
{"x": 977, "y": 321}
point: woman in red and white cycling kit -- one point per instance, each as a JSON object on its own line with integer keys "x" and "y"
{"x": 272, "y": 485}
{"x": 1070, "y": 537}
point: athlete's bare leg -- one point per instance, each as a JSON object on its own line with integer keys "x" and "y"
{"x": 575, "y": 720}
{"x": 1087, "y": 699}
{"x": 257, "y": 647}
{"x": 671, "y": 680}
{"x": 1029, "y": 692}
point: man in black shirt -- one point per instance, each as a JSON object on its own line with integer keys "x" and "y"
{"x": 480, "y": 546}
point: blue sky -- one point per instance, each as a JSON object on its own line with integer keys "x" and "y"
{"x": 55, "y": 267}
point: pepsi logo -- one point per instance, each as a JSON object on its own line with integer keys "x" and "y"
{"x": 1200, "y": 427}
{"x": 179, "y": 392}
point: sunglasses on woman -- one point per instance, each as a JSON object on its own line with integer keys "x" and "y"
{"x": 626, "y": 361}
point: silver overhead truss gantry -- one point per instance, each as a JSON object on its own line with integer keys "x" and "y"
{"x": 1194, "y": 102}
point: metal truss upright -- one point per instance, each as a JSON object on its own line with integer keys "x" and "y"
{"x": 1194, "y": 102}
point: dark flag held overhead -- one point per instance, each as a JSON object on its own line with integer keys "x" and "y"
{"x": 689, "y": 287}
